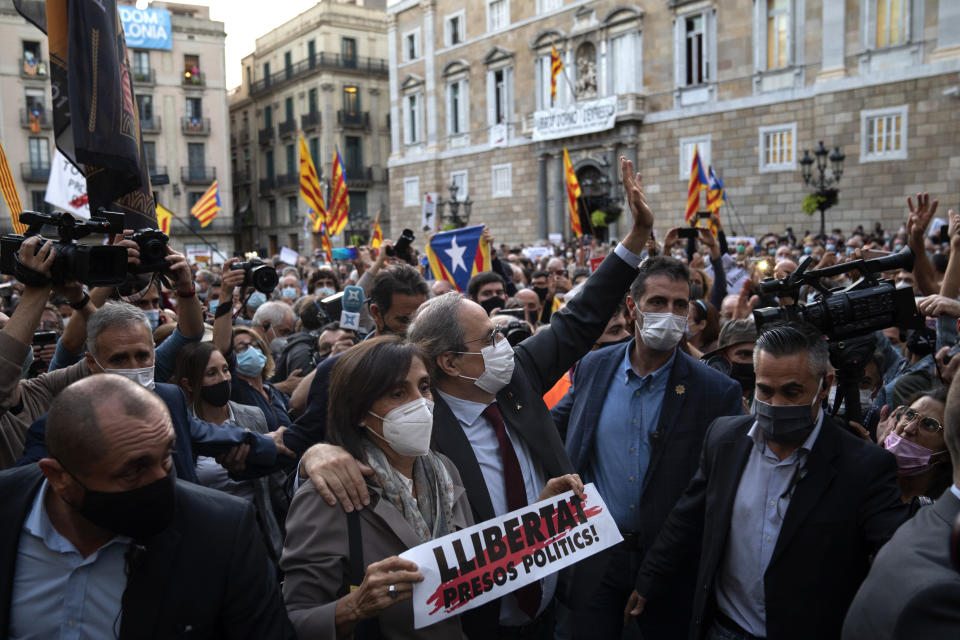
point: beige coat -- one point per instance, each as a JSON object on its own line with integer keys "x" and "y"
{"x": 316, "y": 562}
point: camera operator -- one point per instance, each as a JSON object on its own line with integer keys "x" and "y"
{"x": 23, "y": 401}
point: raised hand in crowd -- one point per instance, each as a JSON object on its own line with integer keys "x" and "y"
{"x": 917, "y": 223}
{"x": 642, "y": 214}
{"x": 708, "y": 240}
{"x": 947, "y": 366}
{"x": 745, "y": 302}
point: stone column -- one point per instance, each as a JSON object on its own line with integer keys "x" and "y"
{"x": 833, "y": 40}
{"x": 376, "y": 157}
{"x": 394, "y": 84}
{"x": 429, "y": 7}
{"x": 542, "y": 216}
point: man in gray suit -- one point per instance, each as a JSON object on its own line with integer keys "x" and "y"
{"x": 912, "y": 590}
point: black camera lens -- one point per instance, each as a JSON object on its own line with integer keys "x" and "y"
{"x": 257, "y": 274}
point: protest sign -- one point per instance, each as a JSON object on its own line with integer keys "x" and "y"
{"x": 507, "y": 553}
{"x": 66, "y": 187}
{"x": 289, "y": 256}
{"x": 595, "y": 263}
{"x": 535, "y": 253}
{"x": 428, "y": 215}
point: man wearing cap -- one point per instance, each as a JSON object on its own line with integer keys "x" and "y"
{"x": 734, "y": 354}
{"x": 635, "y": 426}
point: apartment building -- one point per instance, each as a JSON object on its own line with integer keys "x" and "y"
{"x": 751, "y": 84}
{"x": 180, "y": 87}
{"x": 323, "y": 75}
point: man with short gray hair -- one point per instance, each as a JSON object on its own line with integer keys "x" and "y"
{"x": 787, "y": 507}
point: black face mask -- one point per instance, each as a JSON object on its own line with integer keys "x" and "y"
{"x": 490, "y": 304}
{"x": 743, "y": 373}
{"x": 541, "y": 292}
{"x": 138, "y": 513}
{"x": 216, "y": 394}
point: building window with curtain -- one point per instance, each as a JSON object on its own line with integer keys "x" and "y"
{"x": 891, "y": 21}
{"x": 778, "y": 33}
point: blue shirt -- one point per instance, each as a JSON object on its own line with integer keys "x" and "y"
{"x": 759, "y": 508}
{"x": 621, "y": 447}
{"x": 57, "y": 593}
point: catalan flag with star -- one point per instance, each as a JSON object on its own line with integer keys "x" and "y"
{"x": 458, "y": 255}
{"x": 556, "y": 66}
{"x": 208, "y": 206}
{"x": 339, "y": 198}
{"x": 698, "y": 182}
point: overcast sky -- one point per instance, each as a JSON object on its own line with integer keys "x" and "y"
{"x": 245, "y": 21}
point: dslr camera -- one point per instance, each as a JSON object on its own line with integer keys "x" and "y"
{"x": 402, "y": 249}
{"x": 257, "y": 274}
{"x": 92, "y": 265}
{"x": 152, "y": 244}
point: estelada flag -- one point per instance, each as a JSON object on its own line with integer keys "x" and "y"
{"x": 208, "y": 206}
{"x": 377, "y": 237}
{"x": 573, "y": 193}
{"x": 91, "y": 78}
{"x": 715, "y": 193}
{"x": 458, "y": 255}
{"x": 310, "y": 186}
{"x": 164, "y": 216}
{"x": 698, "y": 182}
{"x": 339, "y": 207}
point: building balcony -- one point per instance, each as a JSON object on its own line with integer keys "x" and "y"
{"x": 310, "y": 120}
{"x": 150, "y": 125}
{"x": 243, "y": 136}
{"x": 287, "y": 181}
{"x": 241, "y": 177}
{"x": 267, "y": 184}
{"x": 319, "y": 61}
{"x": 159, "y": 176}
{"x": 33, "y": 172}
{"x": 145, "y": 77}
{"x": 630, "y": 106}
{"x": 36, "y": 68}
{"x": 44, "y": 119}
{"x": 198, "y": 175}
{"x": 195, "y": 126}
{"x": 356, "y": 175}
{"x": 353, "y": 119}
{"x": 193, "y": 79}
{"x": 287, "y": 127}
{"x": 266, "y": 136}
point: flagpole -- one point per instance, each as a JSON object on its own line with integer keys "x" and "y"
{"x": 563, "y": 70}
{"x": 726, "y": 198}
{"x": 201, "y": 238}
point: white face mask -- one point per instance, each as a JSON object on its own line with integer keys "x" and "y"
{"x": 142, "y": 376}
{"x": 407, "y": 428}
{"x": 661, "y": 331}
{"x": 153, "y": 315}
{"x": 498, "y": 366}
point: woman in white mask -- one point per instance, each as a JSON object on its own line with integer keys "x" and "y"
{"x": 381, "y": 413}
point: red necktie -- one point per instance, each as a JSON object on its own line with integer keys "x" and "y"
{"x": 528, "y": 597}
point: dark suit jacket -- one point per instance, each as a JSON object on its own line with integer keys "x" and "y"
{"x": 912, "y": 590}
{"x": 540, "y": 360}
{"x": 843, "y": 510}
{"x": 194, "y": 437}
{"x": 695, "y": 395}
{"x": 311, "y": 427}
{"x": 206, "y": 576}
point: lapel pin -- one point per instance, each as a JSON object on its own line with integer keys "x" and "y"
{"x": 519, "y": 406}
{"x": 680, "y": 389}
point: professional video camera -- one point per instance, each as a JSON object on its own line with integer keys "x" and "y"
{"x": 848, "y": 316}
{"x": 92, "y": 265}
{"x": 257, "y": 274}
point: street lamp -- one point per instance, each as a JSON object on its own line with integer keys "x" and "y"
{"x": 453, "y": 206}
{"x": 824, "y": 186}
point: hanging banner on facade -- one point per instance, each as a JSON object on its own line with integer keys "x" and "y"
{"x": 577, "y": 119}
{"x": 146, "y": 28}
{"x": 484, "y": 562}
{"x": 66, "y": 187}
{"x": 428, "y": 215}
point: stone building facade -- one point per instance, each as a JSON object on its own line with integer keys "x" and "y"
{"x": 182, "y": 100}
{"x": 751, "y": 83}
{"x": 323, "y": 74}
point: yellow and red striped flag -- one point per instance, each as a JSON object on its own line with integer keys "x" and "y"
{"x": 376, "y": 238}
{"x": 310, "y": 186}
{"x": 339, "y": 198}
{"x": 325, "y": 245}
{"x": 208, "y": 206}
{"x": 556, "y": 66}
{"x": 573, "y": 193}
{"x": 698, "y": 182}
{"x": 164, "y": 216}
{"x": 315, "y": 220}
{"x": 9, "y": 191}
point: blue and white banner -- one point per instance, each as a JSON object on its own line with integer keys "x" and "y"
{"x": 146, "y": 28}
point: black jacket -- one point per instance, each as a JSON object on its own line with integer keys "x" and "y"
{"x": 205, "y": 576}
{"x": 842, "y": 511}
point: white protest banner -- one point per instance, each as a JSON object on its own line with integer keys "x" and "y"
{"x": 289, "y": 256}
{"x": 535, "y": 253}
{"x": 67, "y": 188}
{"x": 579, "y": 118}
{"x": 484, "y": 562}
{"x": 555, "y": 238}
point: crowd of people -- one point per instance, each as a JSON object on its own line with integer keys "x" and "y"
{"x": 189, "y": 455}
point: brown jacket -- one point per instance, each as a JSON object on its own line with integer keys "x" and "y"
{"x": 316, "y": 561}
{"x": 36, "y": 395}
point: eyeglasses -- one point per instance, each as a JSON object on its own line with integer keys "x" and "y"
{"x": 490, "y": 338}
{"x": 929, "y": 424}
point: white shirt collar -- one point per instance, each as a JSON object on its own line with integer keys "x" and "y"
{"x": 466, "y": 411}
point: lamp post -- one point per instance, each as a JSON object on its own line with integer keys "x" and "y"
{"x": 453, "y": 206}
{"x": 824, "y": 186}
